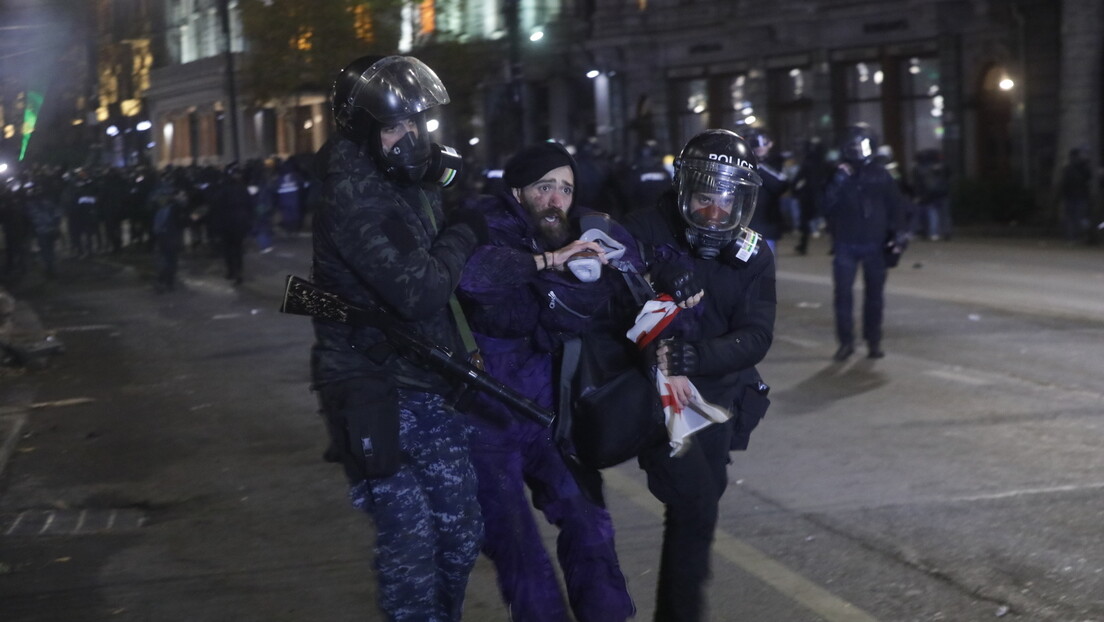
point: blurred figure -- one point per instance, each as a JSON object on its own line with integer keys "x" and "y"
{"x": 931, "y": 184}
{"x": 768, "y": 220}
{"x": 111, "y": 207}
{"x": 808, "y": 185}
{"x": 262, "y": 187}
{"x": 81, "y": 214}
{"x": 646, "y": 179}
{"x": 1076, "y": 178}
{"x": 17, "y": 229}
{"x": 594, "y": 185}
{"x": 232, "y": 216}
{"x": 169, "y": 202}
{"x": 45, "y": 216}
{"x": 287, "y": 193}
{"x": 864, "y": 207}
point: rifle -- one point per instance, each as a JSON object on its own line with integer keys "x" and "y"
{"x": 301, "y": 297}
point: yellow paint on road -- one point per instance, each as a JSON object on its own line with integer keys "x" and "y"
{"x": 749, "y": 559}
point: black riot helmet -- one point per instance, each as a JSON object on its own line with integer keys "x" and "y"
{"x": 717, "y": 184}
{"x": 373, "y": 93}
{"x": 858, "y": 145}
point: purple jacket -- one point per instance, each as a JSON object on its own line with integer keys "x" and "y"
{"x": 520, "y": 316}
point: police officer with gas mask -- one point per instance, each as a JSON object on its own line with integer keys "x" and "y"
{"x": 865, "y": 212}
{"x": 701, "y": 252}
{"x": 381, "y": 237}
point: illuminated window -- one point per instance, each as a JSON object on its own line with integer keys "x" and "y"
{"x": 302, "y": 41}
{"x": 863, "y": 92}
{"x": 921, "y": 105}
{"x": 427, "y": 17}
{"x": 362, "y": 23}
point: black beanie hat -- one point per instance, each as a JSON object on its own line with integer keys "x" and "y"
{"x": 531, "y": 163}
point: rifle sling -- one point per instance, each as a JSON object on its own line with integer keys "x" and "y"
{"x": 458, "y": 316}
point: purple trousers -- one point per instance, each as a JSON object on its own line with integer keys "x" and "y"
{"x": 508, "y": 459}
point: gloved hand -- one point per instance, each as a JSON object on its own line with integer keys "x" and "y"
{"x": 471, "y": 218}
{"x": 676, "y": 357}
{"x": 676, "y": 281}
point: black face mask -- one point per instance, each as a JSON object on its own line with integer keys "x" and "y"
{"x": 408, "y": 158}
{"x": 413, "y": 160}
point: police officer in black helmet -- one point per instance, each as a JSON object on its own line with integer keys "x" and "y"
{"x": 701, "y": 252}
{"x": 380, "y": 236}
{"x": 865, "y": 212}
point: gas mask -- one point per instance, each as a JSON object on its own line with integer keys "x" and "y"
{"x": 585, "y": 265}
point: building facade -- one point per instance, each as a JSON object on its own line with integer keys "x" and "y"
{"x": 1002, "y": 88}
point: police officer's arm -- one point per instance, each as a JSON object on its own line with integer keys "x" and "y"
{"x": 751, "y": 325}
{"x": 832, "y": 196}
{"x": 390, "y": 255}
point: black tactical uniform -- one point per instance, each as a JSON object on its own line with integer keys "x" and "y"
{"x": 715, "y": 344}
{"x": 380, "y": 237}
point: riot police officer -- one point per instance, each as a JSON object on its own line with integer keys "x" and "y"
{"x": 865, "y": 211}
{"x": 700, "y": 250}
{"x": 381, "y": 237}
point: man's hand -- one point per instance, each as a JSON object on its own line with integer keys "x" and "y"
{"x": 557, "y": 258}
{"x": 680, "y": 389}
{"x": 676, "y": 357}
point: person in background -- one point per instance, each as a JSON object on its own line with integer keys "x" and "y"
{"x": 865, "y": 210}
{"x": 646, "y": 179}
{"x": 808, "y": 185}
{"x": 169, "y": 201}
{"x": 931, "y": 184}
{"x": 768, "y": 221}
{"x": 1076, "y": 180}
{"x": 45, "y": 216}
{"x": 232, "y": 213}
{"x": 381, "y": 238}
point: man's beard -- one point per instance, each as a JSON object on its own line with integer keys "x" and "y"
{"x": 552, "y": 234}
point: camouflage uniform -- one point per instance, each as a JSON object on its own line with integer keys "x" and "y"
{"x": 404, "y": 451}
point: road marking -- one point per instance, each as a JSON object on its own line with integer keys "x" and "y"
{"x": 1031, "y": 491}
{"x": 787, "y": 582}
{"x": 84, "y": 329}
{"x": 957, "y": 376}
{"x": 72, "y": 401}
{"x": 801, "y": 343}
{"x": 10, "y": 427}
{"x": 49, "y": 521}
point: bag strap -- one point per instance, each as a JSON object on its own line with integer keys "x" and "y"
{"x": 569, "y": 364}
{"x": 458, "y": 316}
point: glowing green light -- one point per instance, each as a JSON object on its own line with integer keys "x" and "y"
{"x": 30, "y": 118}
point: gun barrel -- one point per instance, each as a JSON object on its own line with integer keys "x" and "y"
{"x": 301, "y": 297}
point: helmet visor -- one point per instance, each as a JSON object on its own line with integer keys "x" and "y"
{"x": 717, "y": 197}
{"x": 397, "y": 87}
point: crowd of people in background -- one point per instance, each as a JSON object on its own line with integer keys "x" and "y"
{"x": 48, "y": 213}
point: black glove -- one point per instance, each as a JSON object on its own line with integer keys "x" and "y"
{"x": 471, "y": 218}
{"x": 676, "y": 281}
{"x": 682, "y": 358}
